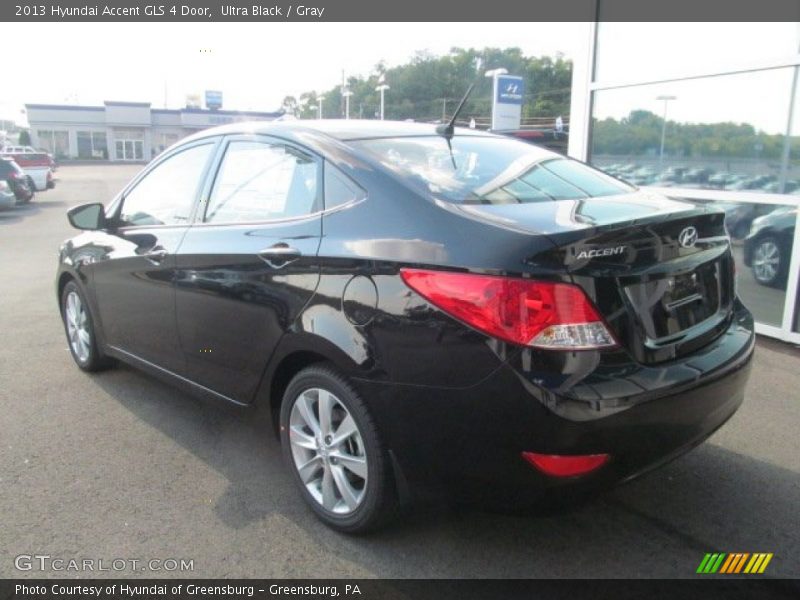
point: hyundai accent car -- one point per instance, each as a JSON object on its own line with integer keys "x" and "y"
{"x": 417, "y": 308}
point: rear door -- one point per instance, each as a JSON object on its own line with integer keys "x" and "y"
{"x": 134, "y": 270}
{"x": 248, "y": 265}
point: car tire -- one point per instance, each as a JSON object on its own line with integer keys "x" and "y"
{"x": 31, "y": 184}
{"x": 79, "y": 327}
{"x": 346, "y": 482}
{"x": 768, "y": 262}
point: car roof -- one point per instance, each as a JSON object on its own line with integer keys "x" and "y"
{"x": 340, "y": 129}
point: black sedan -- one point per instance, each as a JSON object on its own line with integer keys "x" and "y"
{"x": 417, "y": 308}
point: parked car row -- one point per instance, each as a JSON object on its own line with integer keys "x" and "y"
{"x": 16, "y": 181}
{"x": 25, "y": 171}
{"x": 700, "y": 177}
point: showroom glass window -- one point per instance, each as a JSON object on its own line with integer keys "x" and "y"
{"x": 726, "y": 132}
{"x": 632, "y": 52}
{"x": 92, "y": 144}
{"x": 262, "y": 181}
{"x": 165, "y": 195}
{"x": 711, "y": 112}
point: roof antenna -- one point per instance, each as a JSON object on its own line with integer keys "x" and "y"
{"x": 448, "y": 129}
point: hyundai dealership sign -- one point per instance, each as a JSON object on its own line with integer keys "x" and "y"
{"x": 213, "y": 100}
{"x": 507, "y": 99}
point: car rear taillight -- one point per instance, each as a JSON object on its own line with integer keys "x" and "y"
{"x": 543, "y": 314}
{"x": 560, "y": 465}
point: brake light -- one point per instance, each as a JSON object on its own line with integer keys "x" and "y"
{"x": 542, "y": 314}
{"x": 557, "y": 465}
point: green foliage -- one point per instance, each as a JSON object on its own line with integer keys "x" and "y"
{"x": 24, "y": 138}
{"x": 431, "y": 85}
{"x": 639, "y": 134}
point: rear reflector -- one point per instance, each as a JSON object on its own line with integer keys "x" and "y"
{"x": 543, "y": 314}
{"x": 557, "y": 465}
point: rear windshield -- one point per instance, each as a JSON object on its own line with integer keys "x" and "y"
{"x": 488, "y": 170}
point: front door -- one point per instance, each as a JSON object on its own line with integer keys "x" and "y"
{"x": 134, "y": 275}
{"x": 249, "y": 266}
{"x": 129, "y": 149}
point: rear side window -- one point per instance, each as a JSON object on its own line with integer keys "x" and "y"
{"x": 262, "y": 181}
{"x": 166, "y": 194}
{"x": 339, "y": 189}
{"x": 490, "y": 170}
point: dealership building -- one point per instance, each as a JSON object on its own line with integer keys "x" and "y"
{"x": 122, "y": 131}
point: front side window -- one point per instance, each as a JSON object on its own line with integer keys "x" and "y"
{"x": 261, "y": 181}
{"x": 490, "y": 170}
{"x": 166, "y": 194}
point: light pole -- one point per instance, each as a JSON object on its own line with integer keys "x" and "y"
{"x": 346, "y": 94}
{"x": 666, "y": 99}
{"x": 320, "y": 98}
{"x": 382, "y": 87}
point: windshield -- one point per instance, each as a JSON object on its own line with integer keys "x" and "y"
{"x": 489, "y": 170}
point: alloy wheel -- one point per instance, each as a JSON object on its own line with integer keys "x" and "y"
{"x": 328, "y": 451}
{"x": 80, "y": 339}
{"x": 766, "y": 261}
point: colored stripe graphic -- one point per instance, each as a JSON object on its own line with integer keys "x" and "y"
{"x": 703, "y": 563}
{"x": 755, "y": 562}
{"x": 765, "y": 563}
{"x": 740, "y": 564}
{"x": 730, "y": 565}
{"x": 727, "y": 564}
{"x": 734, "y": 563}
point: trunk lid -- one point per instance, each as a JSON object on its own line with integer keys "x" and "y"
{"x": 660, "y": 270}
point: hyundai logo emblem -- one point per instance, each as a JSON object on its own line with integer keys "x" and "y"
{"x": 688, "y": 237}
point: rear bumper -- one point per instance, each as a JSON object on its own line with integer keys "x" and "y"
{"x": 473, "y": 437}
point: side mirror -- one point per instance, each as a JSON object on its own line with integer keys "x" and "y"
{"x": 87, "y": 216}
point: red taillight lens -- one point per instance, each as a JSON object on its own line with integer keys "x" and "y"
{"x": 557, "y": 465}
{"x": 522, "y": 311}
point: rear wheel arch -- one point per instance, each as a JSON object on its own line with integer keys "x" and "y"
{"x": 295, "y": 352}
{"x": 282, "y": 374}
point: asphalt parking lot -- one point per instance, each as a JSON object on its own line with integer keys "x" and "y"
{"x": 119, "y": 465}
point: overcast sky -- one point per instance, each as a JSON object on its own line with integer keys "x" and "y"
{"x": 255, "y": 64}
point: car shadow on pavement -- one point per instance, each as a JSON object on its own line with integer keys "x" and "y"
{"x": 710, "y": 500}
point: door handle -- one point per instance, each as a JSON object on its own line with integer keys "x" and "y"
{"x": 156, "y": 256}
{"x": 279, "y": 255}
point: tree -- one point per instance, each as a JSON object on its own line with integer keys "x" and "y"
{"x": 429, "y": 85}
{"x": 290, "y": 105}
{"x": 25, "y": 138}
